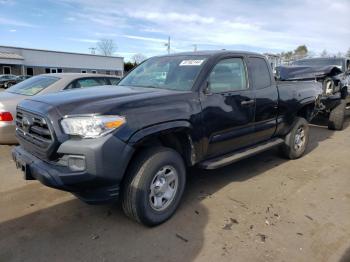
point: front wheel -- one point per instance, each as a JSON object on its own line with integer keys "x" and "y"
{"x": 297, "y": 140}
{"x": 154, "y": 186}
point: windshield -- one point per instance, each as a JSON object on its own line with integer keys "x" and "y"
{"x": 319, "y": 62}
{"x": 7, "y": 77}
{"x": 169, "y": 72}
{"x": 33, "y": 85}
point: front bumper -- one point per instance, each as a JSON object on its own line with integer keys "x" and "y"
{"x": 106, "y": 160}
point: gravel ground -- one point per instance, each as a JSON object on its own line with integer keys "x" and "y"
{"x": 264, "y": 208}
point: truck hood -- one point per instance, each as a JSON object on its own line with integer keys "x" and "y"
{"x": 306, "y": 72}
{"x": 142, "y": 107}
{"x": 101, "y": 100}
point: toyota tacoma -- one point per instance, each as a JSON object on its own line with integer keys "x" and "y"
{"x": 135, "y": 141}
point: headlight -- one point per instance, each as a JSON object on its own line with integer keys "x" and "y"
{"x": 91, "y": 126}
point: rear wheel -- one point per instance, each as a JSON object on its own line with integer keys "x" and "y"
{"x": 337, "y": 117}
{"x": 297, "y": 140}
{"x": 154, "y": 186}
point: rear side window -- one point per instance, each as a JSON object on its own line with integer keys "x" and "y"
{"x": 89, "y": 82}
{"x": 259, "y": 73}
{"x": 114, "y": 81}
{"x": 228, "y": 75}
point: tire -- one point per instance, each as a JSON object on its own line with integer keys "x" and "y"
{"x": 337, "y": 117}
{"x": 9, "y": 85}
{"x": 297, "y": 140}
{"x": 146, "y": 186}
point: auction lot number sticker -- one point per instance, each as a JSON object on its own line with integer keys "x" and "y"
{"x": 191, "y": 62}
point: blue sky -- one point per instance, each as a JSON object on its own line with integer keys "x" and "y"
{"x": 143, "y": 26}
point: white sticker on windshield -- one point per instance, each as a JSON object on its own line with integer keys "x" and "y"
{"x": 191, "y": 62}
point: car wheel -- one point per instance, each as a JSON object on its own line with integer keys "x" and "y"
{"x": 337, "y": 117}
{"x": 297, "y": 140}
{"x": 8, "y": 85}
{"x": 154, "y": 186}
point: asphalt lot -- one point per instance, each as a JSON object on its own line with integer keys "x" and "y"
{"x": 264, "y": 208}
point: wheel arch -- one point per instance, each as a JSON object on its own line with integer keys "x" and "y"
{"x": 307, "y": 110}
{"x": 175, "y": 135}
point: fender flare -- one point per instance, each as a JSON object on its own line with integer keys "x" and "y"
{"x": 142, "y": 133}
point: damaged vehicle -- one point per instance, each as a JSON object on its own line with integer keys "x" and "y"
{"x": 206, "y": 109}
{"x": 334, "y": 74}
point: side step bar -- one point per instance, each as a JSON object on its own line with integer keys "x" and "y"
{"x": 239, "y": 155}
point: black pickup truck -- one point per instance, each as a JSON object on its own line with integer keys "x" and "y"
{"x": 135, "y": 141}
{"x": 334, "y": 74}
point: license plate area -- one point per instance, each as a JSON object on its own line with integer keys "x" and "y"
{"x": 24, "y": 167}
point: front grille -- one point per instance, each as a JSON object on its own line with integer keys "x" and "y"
{"x": 34, "y": 129}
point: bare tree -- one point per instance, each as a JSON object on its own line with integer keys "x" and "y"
{"x": 138, "y": 58}
{"x": 106, "y": 47}
{"x": 301, "y": 52}
{"x": 348, "y": 53}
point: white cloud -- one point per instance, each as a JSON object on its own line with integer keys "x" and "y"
{"x": 274, "y": 25}
{"x": 83, "y": 40}
{"x": 172, "y": 16}
{"x": 150, "y": 39}
{"x": 13, "y": 22}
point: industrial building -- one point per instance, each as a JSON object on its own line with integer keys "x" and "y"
{"x": 27, "y": 61}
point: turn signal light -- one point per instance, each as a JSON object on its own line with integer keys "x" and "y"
{"x": 6, "y": 116}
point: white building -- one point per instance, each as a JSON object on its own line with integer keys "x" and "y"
{"x": 26, "y": 61}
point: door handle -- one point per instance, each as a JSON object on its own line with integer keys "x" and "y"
{"x": 247, "y": 102}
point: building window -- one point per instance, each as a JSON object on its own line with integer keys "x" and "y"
{"x": 30, "y": 71}
{"x": 47, "y": 70}
{"x": 83, "y": 71}
{"x": 7, "y": 70}
{"x": 94, "y": 71}
{"x": 53, "y": 70}
{"x": 59, "y": 70}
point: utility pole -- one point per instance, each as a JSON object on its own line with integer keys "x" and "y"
{"x": 92, "y": 50}
{"x": 168, "y": 45}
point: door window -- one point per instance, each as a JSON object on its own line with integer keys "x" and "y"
{"x": 228, "y": 75}
{"x": 114, "y": 81}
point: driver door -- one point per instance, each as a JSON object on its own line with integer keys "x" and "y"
{"x": 228, "y": 108}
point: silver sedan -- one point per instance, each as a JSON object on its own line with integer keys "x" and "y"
{"x": 39, "y": 85}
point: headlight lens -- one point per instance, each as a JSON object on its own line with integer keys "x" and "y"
{"x": 91, "y": 126}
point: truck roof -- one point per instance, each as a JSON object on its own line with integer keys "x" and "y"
{"x": 215, "y": 53}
